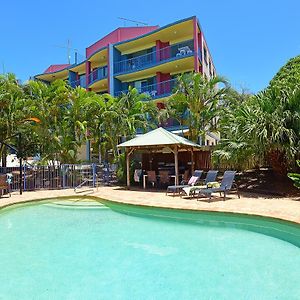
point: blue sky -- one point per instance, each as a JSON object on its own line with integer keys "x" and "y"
{"x": 249, "y": 40}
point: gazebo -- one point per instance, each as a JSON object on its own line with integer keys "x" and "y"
{"x": 159, "y": 140}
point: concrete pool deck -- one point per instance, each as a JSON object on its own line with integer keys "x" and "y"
{"x": 262, "y": 205}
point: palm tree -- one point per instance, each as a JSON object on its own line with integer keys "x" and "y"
{"x": 263, "y": 129}
{"x": 115, "y": 118}
{"x": 107, "y": 123}
{"x": 196, "y": 101}
{"x": 62, "y": 111}
{"x": 12, "y": 112}
{"x": 234, "y": 150}
{"x": 137, "y": 112}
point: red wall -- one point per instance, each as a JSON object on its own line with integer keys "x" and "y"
{"x": 164, "y": 54}
{"x": 118, "y": 35}
{"x": 163, "y": 88}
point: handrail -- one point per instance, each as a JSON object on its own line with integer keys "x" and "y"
{"x": 87, "y": 180}
{"x": 78, "y": 82}
{"x": 98, "y": 74}
{"x": 174, "y": 51}
{"x": 154, "y": 90}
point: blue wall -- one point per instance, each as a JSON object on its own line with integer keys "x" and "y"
{"x": 72, "y": 78}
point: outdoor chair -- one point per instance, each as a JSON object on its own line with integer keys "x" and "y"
{"x": 4, "y": 185}
{"x": 185, "y": 177}
{"x": 151, "y": 177}
{"x": 164, "y": 177}
{"x": 137, "y": 175}
{"x": 191, "y": 190}
{"x": 193, "y": 180}
{"x": 227, "y": 184}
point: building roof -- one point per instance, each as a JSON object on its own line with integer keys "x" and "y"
{"x": 159, "y": 137}
{"x": 118, "y": 35}
{"x": 55, "y": 68}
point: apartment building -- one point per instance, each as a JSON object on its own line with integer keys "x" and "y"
{"x": 148, "y": 58}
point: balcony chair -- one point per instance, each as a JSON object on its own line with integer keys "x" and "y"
{"x": 185, "y": 50}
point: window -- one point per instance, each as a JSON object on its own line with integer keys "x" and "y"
{"x": 205, "y": 55}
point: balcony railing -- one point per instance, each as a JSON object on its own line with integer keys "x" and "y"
{"x": 98, "y": 74}
{"x": 172, "y": 52}
{"x": 79, "y": 82}
{"x": 156, "y": 90}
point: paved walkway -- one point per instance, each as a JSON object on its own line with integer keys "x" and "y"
{"x": 281, "y": 208}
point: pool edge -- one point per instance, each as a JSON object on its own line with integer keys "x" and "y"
{"x": 145, "y": 205}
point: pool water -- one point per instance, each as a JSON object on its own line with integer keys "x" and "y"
{"x": 51, "y": 251}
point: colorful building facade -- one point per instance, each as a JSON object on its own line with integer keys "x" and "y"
{"x": 148, "y": 58}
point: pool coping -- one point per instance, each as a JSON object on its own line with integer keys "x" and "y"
{"x": 99, "y": 196}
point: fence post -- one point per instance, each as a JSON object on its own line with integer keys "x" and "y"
{"x": 63, "y": 167}
{"x": 94, "y": 174}
{"x": 73, "y": 176}
{"x": 24, "y": 173}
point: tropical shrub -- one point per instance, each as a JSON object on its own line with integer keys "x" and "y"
{"x": 295, "y": 177}
{"x": 263, "y": 129}
{"x": 195, "y": 103}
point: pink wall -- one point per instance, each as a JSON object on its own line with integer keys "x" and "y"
{"x": 118, "y": 35}
{"x": 55, "y": 68}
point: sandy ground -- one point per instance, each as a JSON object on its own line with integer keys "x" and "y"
{"x": 280, "y": 208}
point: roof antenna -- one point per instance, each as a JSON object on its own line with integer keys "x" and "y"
{"x": 137, "y": 23}
{"x": 3, "y": 68}
{"x": 69, "y": 48}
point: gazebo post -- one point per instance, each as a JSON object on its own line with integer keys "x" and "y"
{"x": 128, "y": 153}
{"x": 176, "y": 165}
{"x": 192, "y": 160}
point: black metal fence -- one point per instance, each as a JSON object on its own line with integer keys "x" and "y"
{"x": 60, "y": 176}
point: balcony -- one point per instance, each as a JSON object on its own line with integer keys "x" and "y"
{"x": 98, "y": 74}
{"x": 79, "y": 82}
{"x": 156, "y": 90}
{"x": 173, "y": 52}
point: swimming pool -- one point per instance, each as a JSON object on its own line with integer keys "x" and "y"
{"x": 59, "y": 250}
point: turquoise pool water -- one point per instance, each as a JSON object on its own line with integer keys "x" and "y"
{"x": 50, "y": 251}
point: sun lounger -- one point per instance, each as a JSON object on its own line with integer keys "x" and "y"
{"x": 210, "y": 177}
{"x": 177, "y": 188}
{"x": 225, "y": 186}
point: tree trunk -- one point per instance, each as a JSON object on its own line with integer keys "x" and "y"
{"x": 277, "y": 161}
{"x": 4, "y": 156}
